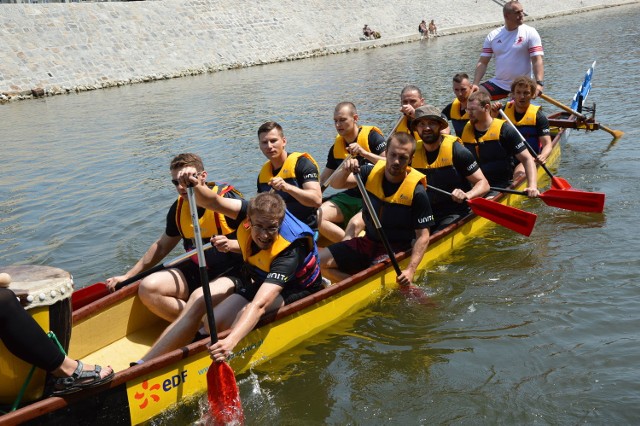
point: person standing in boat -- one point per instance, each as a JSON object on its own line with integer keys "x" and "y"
{"x": 456, "y": 111}
{"x": 529, "y": 119}
{"x": 165, "y": 293}
{"x": 293, "y": 176}
{"x": 281, "y": 266}
{"x": 399, "y": 197}
{"x": 365, "y": 142}
{"x": 517, "y": 48}
{"x": 494, "y": 144}
{"x": 448, "y": 165}
{"x": 24, "y": 338}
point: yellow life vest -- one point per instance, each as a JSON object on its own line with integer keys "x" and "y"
{"x": 340, "y": 145}
{"x": 456, "y": 106}
{"x": 404, "y": 194}
{"x": 492, "y": 133}
{"x": 403, "y": 127}
{"x": 288, "y": 169}
{"x": 211, "y": 223}
{"x": 445, "y": 154}
{"x": 529, "y": 118}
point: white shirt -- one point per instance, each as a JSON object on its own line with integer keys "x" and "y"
{"x": 513, "y": 51}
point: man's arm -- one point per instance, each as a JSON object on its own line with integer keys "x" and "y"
{"x": 309, "y": 193}
{"x": 537, "y": 64}
{"x": 481, "y": 69}
{"x": 344, "y": 177}
{"x": 266, "y": 299}
{"x": 531, "y": 171}
{"x": 207, "y": 198}
{"x": 156, "y": 252}
{"x": 479, "y": 185}
{"x": 419, "y": 248}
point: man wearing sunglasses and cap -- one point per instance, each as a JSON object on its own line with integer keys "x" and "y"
{"x": 166, "y": 292}
{"x": 448, "y": 165}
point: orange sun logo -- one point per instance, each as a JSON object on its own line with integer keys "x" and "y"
{"x": 145, "y": 386}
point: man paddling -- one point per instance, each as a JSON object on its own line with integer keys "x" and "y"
{"x": 456, "y": 111}
{"x": 448, "y": 165}
{"x": 364, "y": 142}
{"x": 529, "y": 119}
{"x": 280, "y": 266}
{"x": 294, "y": 176}
{"x": 399, "y": 197}
{"x": 165, "y": 293}
{"x": 495, "y": 144}
{"x": 517, "y": 48}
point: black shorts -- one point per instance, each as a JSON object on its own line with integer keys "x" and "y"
{"x": 359, "y": 253}
{"x": 496, "y": 92}
{"x": 228, "y": 264}
{"x": 247, "y": 289}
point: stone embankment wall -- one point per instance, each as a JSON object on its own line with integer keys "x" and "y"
{"x": 56, "y": 48}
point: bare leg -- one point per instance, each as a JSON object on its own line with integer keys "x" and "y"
{"x": 354, "y": 227}
{"x": 181, "y": 331}
{"x": 331, "y": 217}
{"x": 164, "y": 293}
{"x": 329, "y": 267}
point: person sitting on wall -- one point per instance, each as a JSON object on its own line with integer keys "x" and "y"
{"x": 368, "y": 32}
{"x": 422, "y": 29}
{"x": 433, "y": 30}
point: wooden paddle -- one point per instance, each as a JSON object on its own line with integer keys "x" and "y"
{"x": 617, "y": 134}
{"x": 224, "y": 400}
{"x": 510, "y": 217}
{"x": 326, "y": 183}
{"x": 93, "y": 292}
{"x": 578, "y": 201}
{"x": 410, "y": 290}
{"x": 556, "y": 182}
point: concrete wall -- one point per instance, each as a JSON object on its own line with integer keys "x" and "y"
{"x": 57, "y": 48}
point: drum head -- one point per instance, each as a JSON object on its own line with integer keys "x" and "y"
{"x": 39, "y": 285}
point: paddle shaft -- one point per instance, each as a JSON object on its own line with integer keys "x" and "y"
{"x": 508, "y": 191}
{"x": 547, "y": 171}
{"x": 615, "y": 133}
{"x": 326, "y": 183}
{"x": 161, "y": 267}
{"x": 377, "y": 224}
{"x": 202, "y": 264}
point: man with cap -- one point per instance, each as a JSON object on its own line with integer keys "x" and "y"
{"x": 448, "y": 165}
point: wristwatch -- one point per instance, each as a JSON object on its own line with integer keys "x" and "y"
{"x": 540, "y": 83}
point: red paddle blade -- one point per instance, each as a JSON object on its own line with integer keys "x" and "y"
{"x": 515, "y": 219}
{"x": 225, "y": 407}
{"x": 560, "y": 183}
{"x": 579, "y": 201}
{"x": 416, "y": 294}
{"x": 83, "y": 296}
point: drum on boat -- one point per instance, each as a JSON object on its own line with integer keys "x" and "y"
{"x": 45, "y": 292}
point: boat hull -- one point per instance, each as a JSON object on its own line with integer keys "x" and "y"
{"x": 118, "y": 329}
